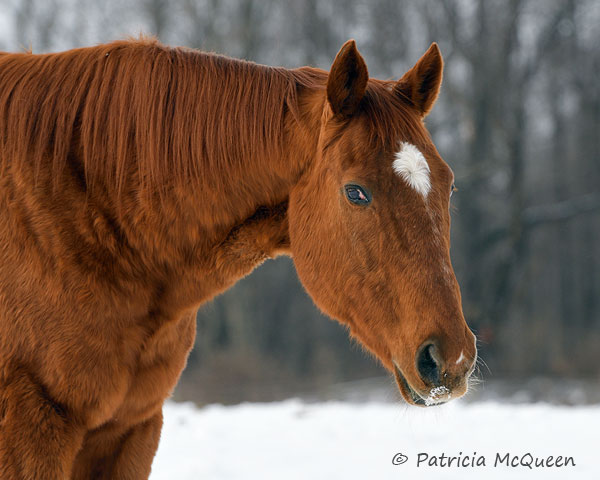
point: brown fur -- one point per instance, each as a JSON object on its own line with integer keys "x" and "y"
{"x": 138, "y": 181}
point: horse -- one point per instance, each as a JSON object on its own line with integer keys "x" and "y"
{"x": 138, "y": 181}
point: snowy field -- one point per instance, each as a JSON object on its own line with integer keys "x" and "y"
{"x": 293, "y": 440}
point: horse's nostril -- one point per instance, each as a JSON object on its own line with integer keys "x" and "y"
{"x": 427, "y": 366}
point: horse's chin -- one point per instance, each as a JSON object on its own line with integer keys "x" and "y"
{"x": 437, "y": 396}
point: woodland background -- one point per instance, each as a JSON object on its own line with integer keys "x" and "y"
{"x": 518, "y": 120}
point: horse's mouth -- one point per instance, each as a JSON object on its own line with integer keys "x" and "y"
{"x": 437, "y": 395}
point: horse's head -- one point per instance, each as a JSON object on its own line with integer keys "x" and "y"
{"x": 369, "y": 226}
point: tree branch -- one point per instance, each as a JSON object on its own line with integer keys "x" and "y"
{"x": 538, "y": 215}
{"x": 560, "y": 211}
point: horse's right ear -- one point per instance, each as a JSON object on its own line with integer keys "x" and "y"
{"x": 347, "y": 80}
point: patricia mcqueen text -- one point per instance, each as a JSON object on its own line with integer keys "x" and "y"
{"x": 524, "y": 460}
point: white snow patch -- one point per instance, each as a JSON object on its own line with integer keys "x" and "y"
{"x": 295, "y": 440}
{"x": 437, "y": 395}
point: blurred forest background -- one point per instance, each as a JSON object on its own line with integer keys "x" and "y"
{"x": 518, "y": 120}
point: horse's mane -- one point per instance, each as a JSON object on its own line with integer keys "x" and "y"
{"x": 167, "y": 114}
{"x": 173, "y": 113}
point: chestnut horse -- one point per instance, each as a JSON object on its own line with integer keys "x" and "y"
{"x": 138, "y": 181}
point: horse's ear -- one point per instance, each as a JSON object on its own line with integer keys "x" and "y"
{"x": 421, "y": 84}
{"x": 347, "y": 80}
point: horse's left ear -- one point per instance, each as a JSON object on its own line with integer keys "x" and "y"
{"x": 421, "y": 84}
{"x": 347, "y": 80}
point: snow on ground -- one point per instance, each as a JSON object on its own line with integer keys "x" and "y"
{"x": 294, "y": 440}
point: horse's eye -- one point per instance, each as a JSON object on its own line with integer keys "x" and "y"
{"x": 453, "y": 189}
{"x": 357, "y": 195}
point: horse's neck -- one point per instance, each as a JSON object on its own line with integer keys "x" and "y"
{"x": 263, "y": 181}
{"x": 233, "y": 221}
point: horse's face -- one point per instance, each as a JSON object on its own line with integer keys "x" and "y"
{"x": 370, "y": 228}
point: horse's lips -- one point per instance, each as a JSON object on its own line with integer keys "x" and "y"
{"x": 408, "y": 392}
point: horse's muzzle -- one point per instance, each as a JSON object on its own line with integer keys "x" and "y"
{"x": 439, "y": 380}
